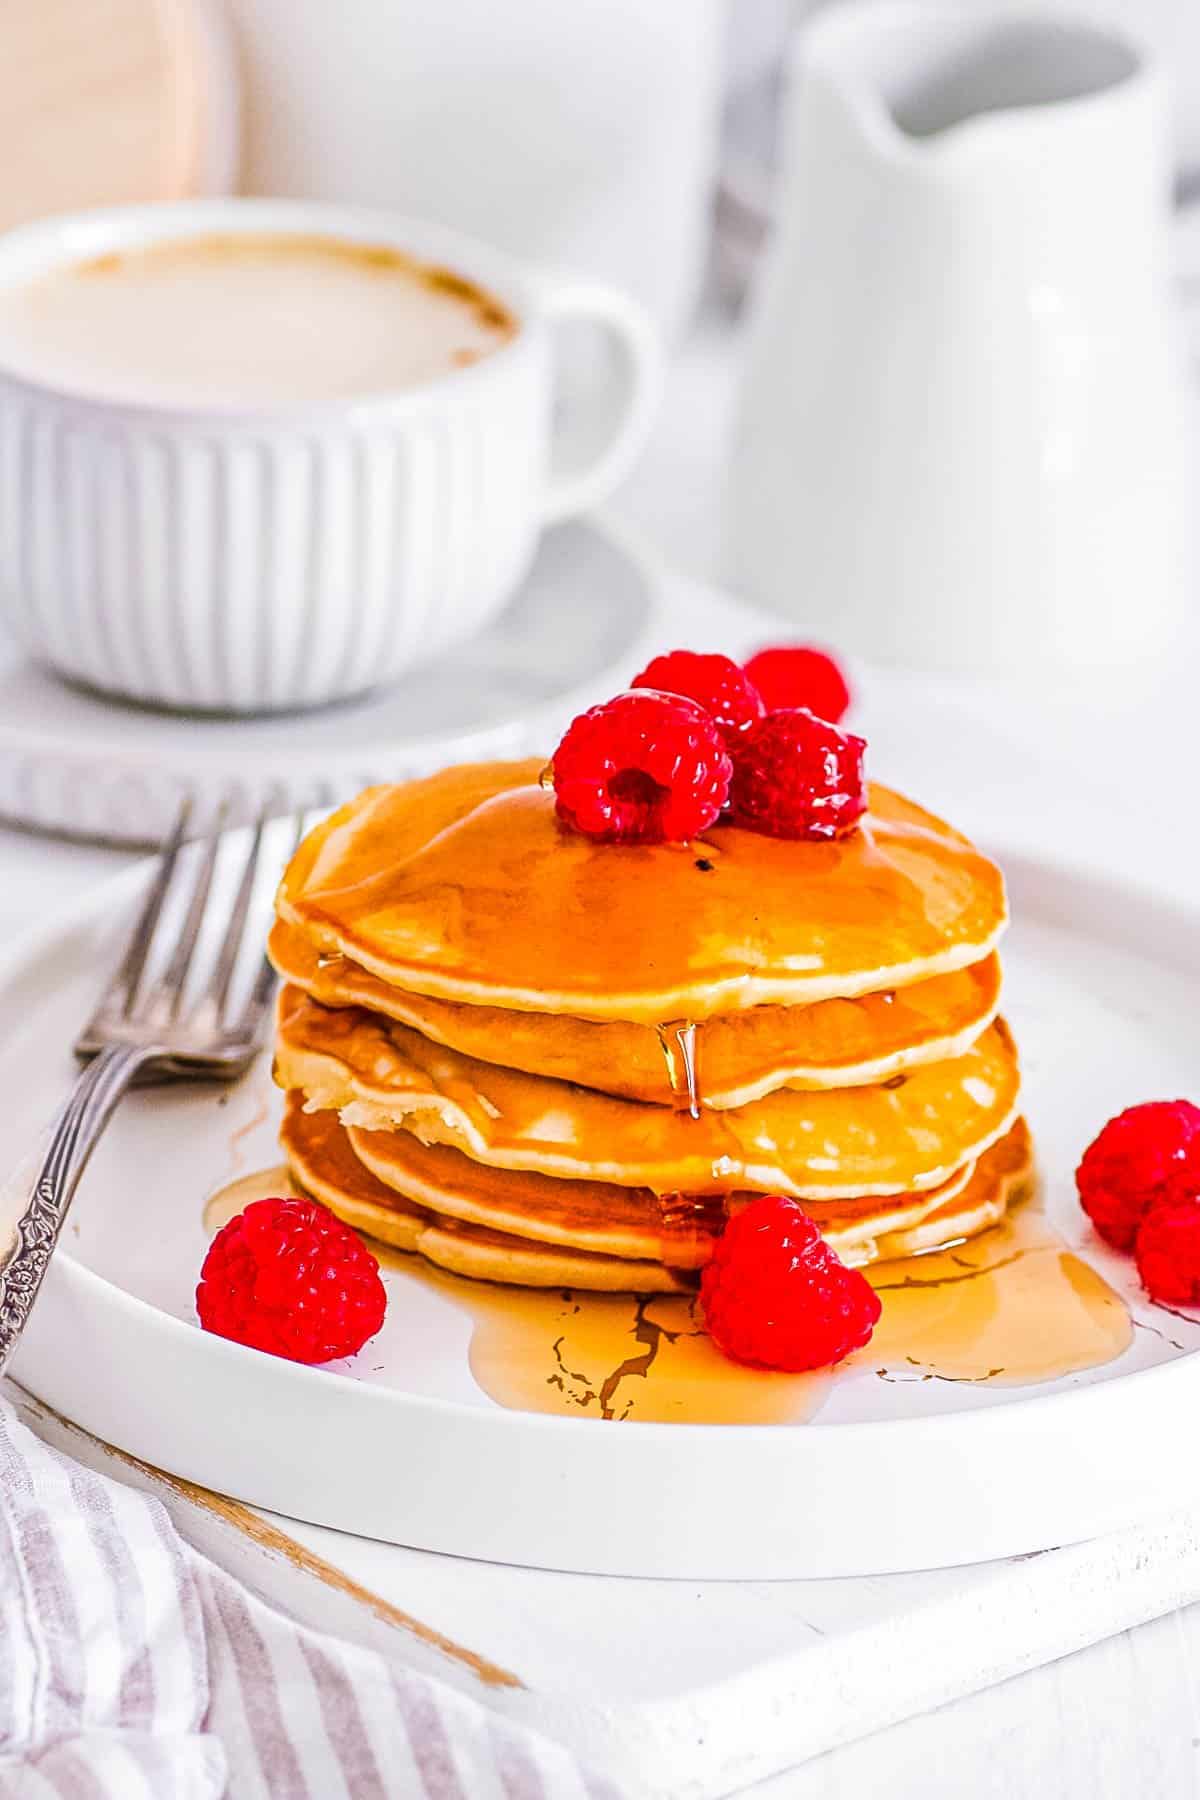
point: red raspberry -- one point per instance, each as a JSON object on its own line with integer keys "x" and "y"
{"x": 1135, "y": 1163}
{"x": 1168, "y": 1252}
{"x": 641, "y": 769}
{"x": 715, "y": 682}
{"x": 775, "y": 1295}
{"x": 796, "y": 776}
{"x": 288, "y": 1277}
{"x": 800, "y": 675}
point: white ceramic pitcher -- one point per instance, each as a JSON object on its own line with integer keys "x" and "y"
{"x": 961, "y": 438}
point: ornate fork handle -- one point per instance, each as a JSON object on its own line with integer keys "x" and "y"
{"x": 75, "y": 1135}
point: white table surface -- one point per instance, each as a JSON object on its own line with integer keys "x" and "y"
{"x": 1058, "y": 764}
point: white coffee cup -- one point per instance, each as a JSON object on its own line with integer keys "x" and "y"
{"x": 253, "y": 559}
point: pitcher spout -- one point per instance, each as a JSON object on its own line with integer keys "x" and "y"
{"x": 920, "y": 80}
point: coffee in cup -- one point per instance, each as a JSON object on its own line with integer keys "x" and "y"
{"x": 248, "y": 321}
{"x": 258, "y": 455}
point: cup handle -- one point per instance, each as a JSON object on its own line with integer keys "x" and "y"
{"x": 581, "y": 480}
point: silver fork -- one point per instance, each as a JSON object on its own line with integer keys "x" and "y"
{"x": 147, "y": 1027}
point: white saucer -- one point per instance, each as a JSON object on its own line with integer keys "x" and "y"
{"x": 79, "y": 765}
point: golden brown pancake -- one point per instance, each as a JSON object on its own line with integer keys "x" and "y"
{"x": 320, "y": 1158}
{"x": 913, "y": 1132}
{"x": 740, "y": 1056}
{"x": 448, "y": 1225}
{"x": 464, "y": 886}
{"x": 1002, "y": 1177}
{"x": 598, "y": 1215}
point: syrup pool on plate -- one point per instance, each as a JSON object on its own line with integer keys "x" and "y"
{"x": 1012, "y": 1306}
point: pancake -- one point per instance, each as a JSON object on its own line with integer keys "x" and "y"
{"x": 598, "y": 1215}
{"x": 412, "y": 1183}
{"x": 324, "y": 1166}
{"x": 1003, "y": 1177}
{"x": 912, "y": 1133}
{"x": 741, "y": 1056}
{"x": 464, "y": 886}
{"x": 322, "y": 1158}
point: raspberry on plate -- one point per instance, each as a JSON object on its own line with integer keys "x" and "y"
{"x": 776, "y": 1296}
{"x": 797, "y": 776}
{"x": 288, "y": 1277}
{"x": 1168, "y": 1252}
{"x": 716, "y": 682}
{"x": 1135, "y": 1163}
{"x": 800, "y": 675}
{"x": 645, "y": 768}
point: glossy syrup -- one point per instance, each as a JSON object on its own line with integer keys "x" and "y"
{"x": 468, "y": 876}
{"x": 620, "y": 1356}
{"x": 689, "y": 1222}
{"x": 1014, "y": 1306}
{"x": 231, "y": 1199}
{"x": 679, "y": 1043}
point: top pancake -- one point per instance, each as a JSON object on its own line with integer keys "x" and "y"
{"x": 466, "y": 887}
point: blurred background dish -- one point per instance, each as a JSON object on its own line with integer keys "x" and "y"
{"x": 960, "y": 440}
{"x": 589, "y": 141}
{"x": 590, "y": 612}
{"x": 758, "y": 39}
{"x": 116, "y": 101}
{"x": 252, "y": 545}
{"x": 583, "y": 137}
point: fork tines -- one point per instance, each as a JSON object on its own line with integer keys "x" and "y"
{"x": 177, "y": 984}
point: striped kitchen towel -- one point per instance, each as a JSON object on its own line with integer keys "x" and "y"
{"x": 133, "y": 1668}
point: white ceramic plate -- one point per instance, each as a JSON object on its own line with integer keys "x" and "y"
{"x": 402, "y": 1444}
{"x": 584, "y": 620}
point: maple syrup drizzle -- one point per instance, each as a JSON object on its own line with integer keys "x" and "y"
{"x": 622, "y": 1356}
{"x": 231, "y": 1199}
{"x": 690, "y": 1222}
{"x": 1013, "y": 1306}
{"x": 679, "y": 1044}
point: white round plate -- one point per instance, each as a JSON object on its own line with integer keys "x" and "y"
{"x": 402, "y": 1444}
{"x": 582, "y": 623}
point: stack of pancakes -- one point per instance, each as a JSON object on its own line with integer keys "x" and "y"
{"x": 540, "y": 1059}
